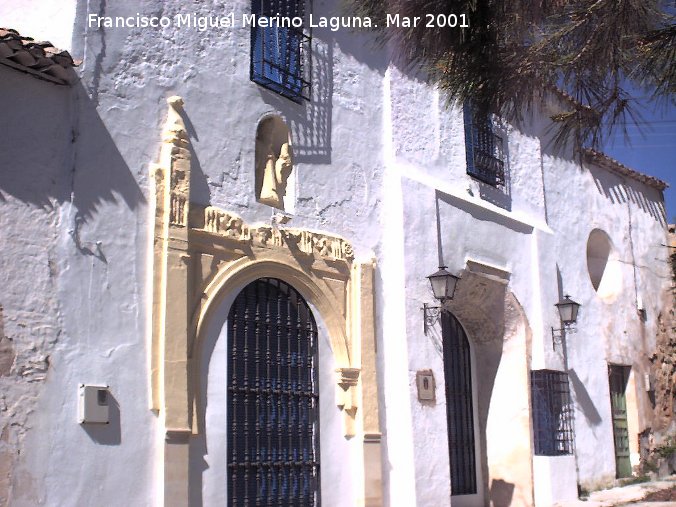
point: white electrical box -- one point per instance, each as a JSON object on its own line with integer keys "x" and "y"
{"x": 93, "y": 404}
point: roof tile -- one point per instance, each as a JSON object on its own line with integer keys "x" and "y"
{"x": 613, "y": 165}
{"x": 40, "y": 59}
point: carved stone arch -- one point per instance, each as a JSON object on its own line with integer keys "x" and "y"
{"x": 200, "y": 255}
{"x": 234, "y": 277}
{"x": 500, "y": 337}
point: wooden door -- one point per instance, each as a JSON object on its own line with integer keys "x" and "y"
{"x": 617, "y": 378}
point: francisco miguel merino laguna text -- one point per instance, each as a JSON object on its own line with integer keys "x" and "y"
{"x": 202, "y": 23}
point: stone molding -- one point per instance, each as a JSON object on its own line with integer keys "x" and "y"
{"x": 203, "y": 255}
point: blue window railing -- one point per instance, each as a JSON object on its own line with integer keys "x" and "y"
{"x": 484, "y": 148}
{"x": 279, "y": 52}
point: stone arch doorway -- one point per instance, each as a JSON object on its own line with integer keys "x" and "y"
{"x": 239, "y": 308}
{"x": 461, "y": 414}
{"x": 499, "y": 338}
{"x": 273, "y": 397}
{"x": 202, "y": 257}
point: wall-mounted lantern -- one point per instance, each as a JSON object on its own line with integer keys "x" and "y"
{"x": 568, "y": 316}
{"x": 443, "y": 287}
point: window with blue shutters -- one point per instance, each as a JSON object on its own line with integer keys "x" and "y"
{"x": 280, "y": 53}
{"x": 484, "y": 148}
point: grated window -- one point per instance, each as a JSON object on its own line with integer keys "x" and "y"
{"x": 280, "y": 53}
{"x": 484, "y": 148}
{"x": 552, "y": 413}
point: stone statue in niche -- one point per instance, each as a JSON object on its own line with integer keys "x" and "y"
{"x": 275, "y": 176}
{"x": 274, "y": 162}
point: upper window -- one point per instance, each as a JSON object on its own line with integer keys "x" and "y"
{"x": 278, "y": 51}
{"x": 485, "y": 156}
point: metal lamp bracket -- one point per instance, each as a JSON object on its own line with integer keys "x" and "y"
{"x": 431, "y": 315}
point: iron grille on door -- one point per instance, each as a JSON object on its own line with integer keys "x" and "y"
{"x": 459, "y": 408}
{"x": 273, "y": 400}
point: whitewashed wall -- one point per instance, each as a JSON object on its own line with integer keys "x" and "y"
{"x": 72, "y": 270}
{"x": 41, "y": 19}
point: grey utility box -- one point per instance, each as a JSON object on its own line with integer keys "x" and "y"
{"x": 93, "y": 404}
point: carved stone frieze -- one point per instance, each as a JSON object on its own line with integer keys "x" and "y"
{"x": 229, "y": 225}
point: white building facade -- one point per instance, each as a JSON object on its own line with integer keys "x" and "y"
{"x": 228, "y": 232}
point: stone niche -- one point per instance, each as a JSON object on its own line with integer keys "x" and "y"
{"x": 275, "y": 181}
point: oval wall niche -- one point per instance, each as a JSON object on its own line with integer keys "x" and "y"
{"x": 603, "y": 265}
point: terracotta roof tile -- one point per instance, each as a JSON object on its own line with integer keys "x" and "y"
{"x": 40, "y": 59}
{"x": 613, "y": 165}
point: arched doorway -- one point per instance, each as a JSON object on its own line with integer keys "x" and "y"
{"x": 272, "y": 398}
{"x": 466, "y": 487}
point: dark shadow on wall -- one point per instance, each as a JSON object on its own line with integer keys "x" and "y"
{"x": 501, "y": 493}
{"x": 99, "y": 172}
{"x": 620, "y": 191}
{"x": 199, "y": 185}
{"x": 500, "y": 196}
{"x": 107, "y": 434}
{"x": 482, "y": 214}
{"x": 310, "y": 121}
{"x": 60, "y": 150}
{"x": 583, "y": 399}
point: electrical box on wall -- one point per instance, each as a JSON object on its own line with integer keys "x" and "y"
{"x": 426, "y": 387}
{"x": 93, "y": 404}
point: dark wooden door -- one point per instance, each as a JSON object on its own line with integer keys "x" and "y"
{"x": 617, "y": 378}
{"x": 459, "y": 407}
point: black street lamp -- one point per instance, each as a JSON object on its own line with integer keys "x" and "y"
{"x": 567, "y": 310}
{"x": 568, "y": 316}
{"x": 443, "y": 287}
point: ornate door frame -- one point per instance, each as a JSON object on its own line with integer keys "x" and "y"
{"x": 200, "y": 255}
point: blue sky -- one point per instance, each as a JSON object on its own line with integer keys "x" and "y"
{"x": 651, "y": 148}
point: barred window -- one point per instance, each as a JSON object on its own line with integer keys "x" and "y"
{"x": 552, "y": 413}
{"x": 280, "y": 51}
{"x": 484, "y": 148}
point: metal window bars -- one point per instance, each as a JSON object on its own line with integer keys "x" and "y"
{"x": 273, "y": 398}
{"x": 552, "y": 413}
{"x": 280, "y": 54}
{"x": 484, "y": 148}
